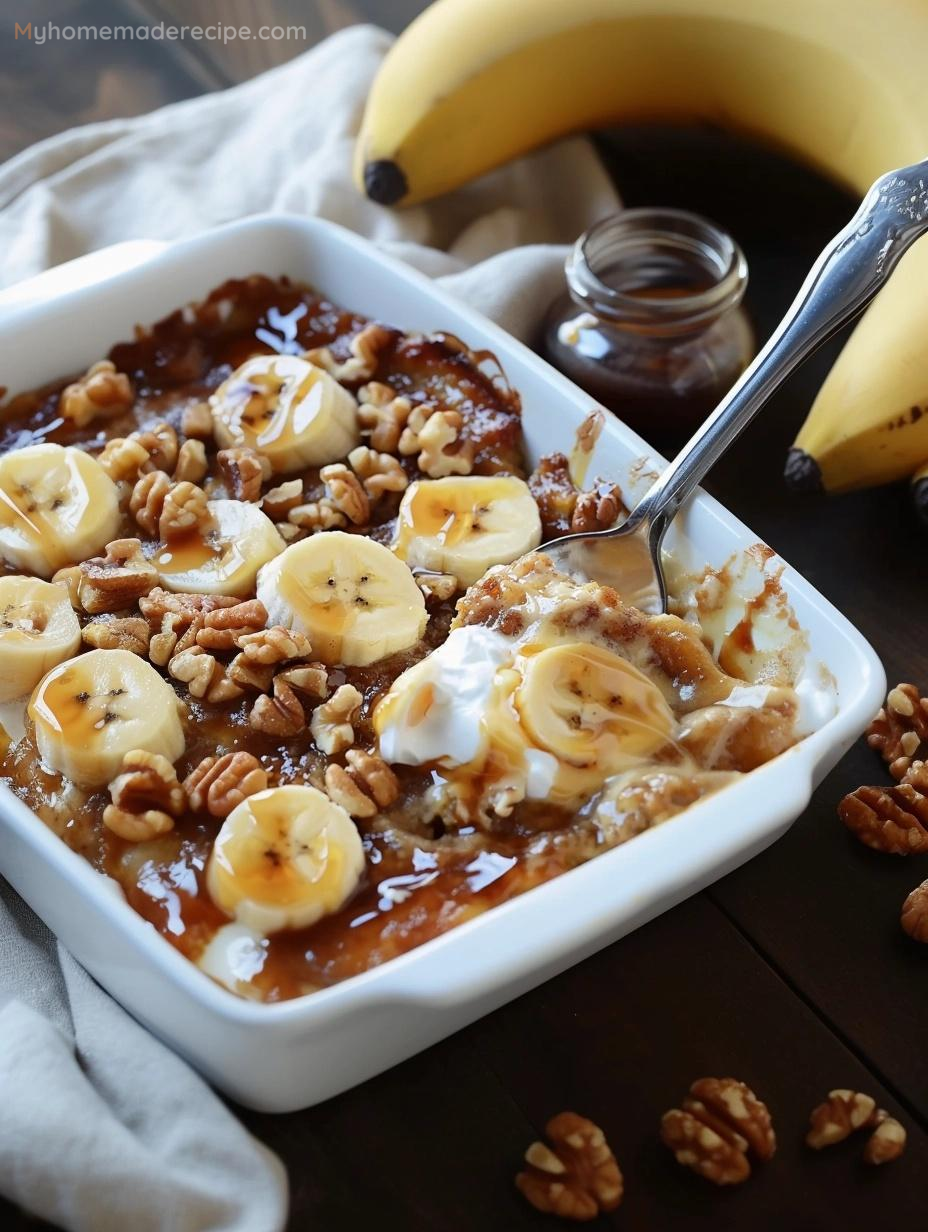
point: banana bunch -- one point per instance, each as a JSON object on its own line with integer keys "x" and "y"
{"x": 839, "y": 83}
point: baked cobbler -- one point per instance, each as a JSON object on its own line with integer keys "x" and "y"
{"x": 283, "y": 656}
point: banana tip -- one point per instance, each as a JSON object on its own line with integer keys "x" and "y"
{"x": 384, "y": 182}
{"x": 802, "y": 472}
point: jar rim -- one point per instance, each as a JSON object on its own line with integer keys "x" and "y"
{"x": 628, "y": 240}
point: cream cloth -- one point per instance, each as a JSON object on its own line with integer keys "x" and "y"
{"x": 102, "y": 1128}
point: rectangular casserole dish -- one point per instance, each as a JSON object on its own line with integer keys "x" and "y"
{"x": 281, "y": 1057}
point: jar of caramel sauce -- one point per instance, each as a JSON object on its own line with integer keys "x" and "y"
{"x": 651, "y": 323}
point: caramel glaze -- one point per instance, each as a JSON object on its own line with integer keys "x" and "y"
{"x": 419, "y": 881}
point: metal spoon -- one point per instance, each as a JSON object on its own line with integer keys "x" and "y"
{"x": 842, "y": 281}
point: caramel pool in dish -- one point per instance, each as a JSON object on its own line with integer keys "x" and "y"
{"x": 302, "y": 679}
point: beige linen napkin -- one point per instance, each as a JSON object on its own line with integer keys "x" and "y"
{"x": 101, "y": 1128}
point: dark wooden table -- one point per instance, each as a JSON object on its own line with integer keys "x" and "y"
{"x": 792, "y": 973}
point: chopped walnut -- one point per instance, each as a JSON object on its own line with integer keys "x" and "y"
{"x": 915, "y": 913}
{"x": 362, "y": 787}
{"x": 900, "y": 731}
{"x": 131, "y": 633}
{"x": 248, "y": 674}
{"x": 197, "y": 421}
{"x": 117, "y": 580}
{"x": 226, "y": 626}
{"x": 280, "y": 715}
{"x": 310, "y": 678}
{"x": 887, "y": 1142}
{"x": 344, "y": 490}
{"x": 101, "y": 391}
{"x": 382, "y": 415}
{"x": 147, "y": 500}
{"x": 365, "y": 347}
{"x": 719, "y": 1122}
{"x": 317, "y": 515}
{"x": 160, "y": 602}
{"x": 123, "y": 458}
{"x": 432, "y": 433}
{"x": 577, "y": 1176}
{"x": 275, "y": 645}
{"x": 191, "y": 462}
{"x": 245, "y": 472}
{"x": 437, "y": 586}
{"x": 183, "y": 512}
{"x": 598, "y": 509}
{"x": 891, "y": 819}
{"x": 164, "y": 644}
{"x": 161, "y": 442}
{"x": 379, "y": 472}
{"x": 839, "y": 1116}
{"x": 217, "y": 785}
{"x": 332, "y": 722}
{"x": 204, "y": 675}
{"x": 146, "y": 797}
{"x": 278, "y": 502}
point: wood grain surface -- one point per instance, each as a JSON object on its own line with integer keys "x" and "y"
{"x": 792, "y": 973}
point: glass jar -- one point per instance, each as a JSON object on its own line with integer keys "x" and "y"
{"x": 651, "y": 324}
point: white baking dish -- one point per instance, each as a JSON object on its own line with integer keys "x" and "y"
{"x": 286, "y": 1056}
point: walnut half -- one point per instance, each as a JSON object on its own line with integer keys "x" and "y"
{"x": 719, "y": 1122}
{"x": 577, "y": 1176}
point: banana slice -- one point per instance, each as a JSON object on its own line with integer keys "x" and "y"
{"x": 90, "y": 711}
{"x": 465, "y": 524}
{"x": 226, "y": 560}
{"x": 57, "y": 506}
{"x": 591, "y": 708}
{"x": 289, "y": 410}
{"x": 284, "y": 858}
{"x": 38, "y": 629}
{"x": 349, "y": 594}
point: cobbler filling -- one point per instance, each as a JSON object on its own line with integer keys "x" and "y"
{"x": 300, "y": 677}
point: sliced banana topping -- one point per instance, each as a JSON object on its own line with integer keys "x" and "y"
{"x": 464, "y": 524}
{"x": 225, "y": 560}
{"x": 92, "y": 710}
{"x": 591, "y": 708}
{"x": 289, "y": 410}
{"x": 38, "y": 629}
{"x": 57, "y": 506}
{"x": 352, "y": 597}
{"x": 284, "y": 858}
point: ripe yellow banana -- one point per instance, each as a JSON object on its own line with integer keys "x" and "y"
{"x": 839, "y": 83}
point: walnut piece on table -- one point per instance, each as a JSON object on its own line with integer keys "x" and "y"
{"x": 577, "y": 1176}
{"x": 146, "y": 797}
{"x": 891, "y": 819}
{"x": 719, "y": 1122}
{"x": 845, "y": 1112}
{"x": 915, "y": 913}
{"x": 217, "y": 785}
{"x": 900, "y": 730}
